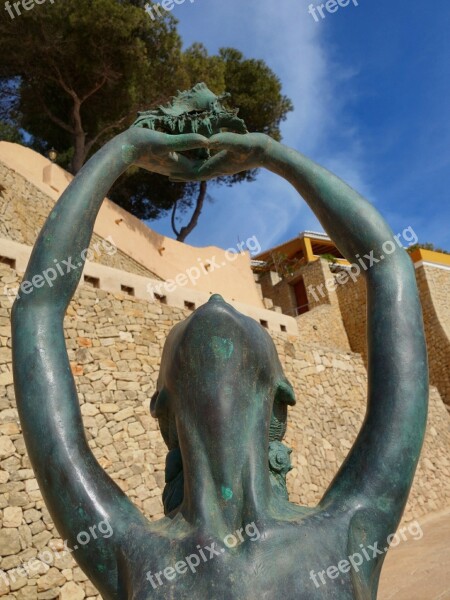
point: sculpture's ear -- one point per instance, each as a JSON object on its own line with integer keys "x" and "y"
{"x": 159, "y": 404}
{"x": 160, "y": 409}
{"x": 284, "y": 396}
{"x": 285, "y": 393}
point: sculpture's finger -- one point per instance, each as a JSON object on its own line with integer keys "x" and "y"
{"x": 174, "y": 158}
{"x": 186, "y": 141}
{"x": 223, "y": 163}
{"x": 226, "y": 141}
{"x": 180, "y": 167}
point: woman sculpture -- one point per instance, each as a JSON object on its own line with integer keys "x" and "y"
{"x": 219, "y": 390}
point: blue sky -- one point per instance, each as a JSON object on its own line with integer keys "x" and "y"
{"x": 371, "y": 88}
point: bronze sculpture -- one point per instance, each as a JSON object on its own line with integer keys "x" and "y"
{"x": 215, "y": 364}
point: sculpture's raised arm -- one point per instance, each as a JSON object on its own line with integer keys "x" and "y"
{"x": 78, "y": 493}
{"x": 379, "y": 469}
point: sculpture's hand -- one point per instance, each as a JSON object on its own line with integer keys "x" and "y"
{"x": 233, "y": 153}
{"x": 160, "y": 153}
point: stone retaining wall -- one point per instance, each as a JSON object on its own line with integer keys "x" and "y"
{"x": 434, "y": 286}
{"x": 433, "y": 282}
{"x": 114, "y": 345}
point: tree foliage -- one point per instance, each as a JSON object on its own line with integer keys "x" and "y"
{"x": 84, "y": 68}
{"x": 73, "y": 74}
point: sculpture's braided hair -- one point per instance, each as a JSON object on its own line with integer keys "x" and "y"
{"x": 278, "y": 453}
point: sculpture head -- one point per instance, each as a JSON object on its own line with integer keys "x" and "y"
{"x": 220, "y": 376}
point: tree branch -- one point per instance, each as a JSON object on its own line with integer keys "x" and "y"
{"x": 59, "y": 79}
{"x": 96, "y": 87}
{"x": 102, "y": 132}
{"x": 56, "y": 119}
{"x": 185, "y": 231}
{"x": 172, "y": 220}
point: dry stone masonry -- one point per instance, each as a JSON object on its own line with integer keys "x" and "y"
{"x": 115, "y": 343}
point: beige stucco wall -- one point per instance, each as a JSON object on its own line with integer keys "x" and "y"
{"x": 144, "y": 287}
{"x": 164, "y": 257}
{"x": 23, "y": 210}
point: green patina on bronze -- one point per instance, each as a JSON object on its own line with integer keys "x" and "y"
{"x": 222, "y": 347}
{"x": 227, "y": 493}
{"x": 129, "y": 153}
{"x": 222, "y": 397}
{"x": 197, "y": 110}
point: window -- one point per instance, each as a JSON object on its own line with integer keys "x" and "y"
{"x": 264, "y": 323}
{"x": 161, "y": 299}
{"x": 10, "y": 262}
{"x": 283, "y": 328}
{"x": 92, "y": 281}
{"x": 127, "y": 290}
{"x": 189, "y": 305}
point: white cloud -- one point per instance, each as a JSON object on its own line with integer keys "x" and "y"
{"x": 291, "y": 42}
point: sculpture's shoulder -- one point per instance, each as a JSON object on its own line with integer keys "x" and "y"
{"x": 304, "y": 558}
